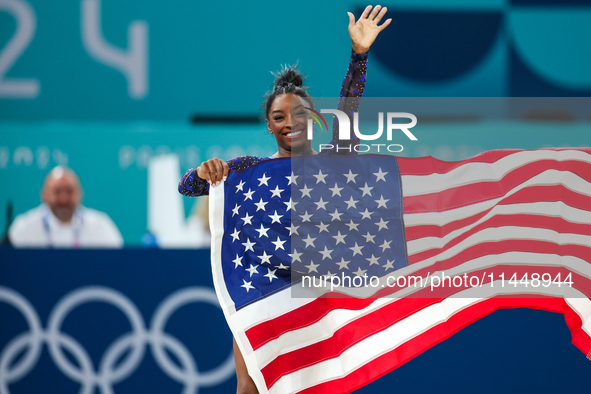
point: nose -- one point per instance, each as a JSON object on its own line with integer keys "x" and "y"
{"x": 64, "y": 198}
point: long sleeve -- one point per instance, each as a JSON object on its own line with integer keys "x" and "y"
{"x": 191, "y": 185}
{"x": 354, "y": 83}
{"x": 350, "y": 97}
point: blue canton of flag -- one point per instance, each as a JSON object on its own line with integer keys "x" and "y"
{"x": 319, "y": 215}
{"x": 348, "y": 216}
{"x": 256, "y": 242}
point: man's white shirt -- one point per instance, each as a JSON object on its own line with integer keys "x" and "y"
{"x": 89, "y": 228}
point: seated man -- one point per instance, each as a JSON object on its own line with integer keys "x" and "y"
{"x": 61, "y": 221}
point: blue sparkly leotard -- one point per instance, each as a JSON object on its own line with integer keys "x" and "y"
{"x": 191, "y": 185}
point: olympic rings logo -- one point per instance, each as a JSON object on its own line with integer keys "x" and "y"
{"x": 132, "y": 346}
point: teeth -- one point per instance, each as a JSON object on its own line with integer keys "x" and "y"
{"x": 294, "y": 133}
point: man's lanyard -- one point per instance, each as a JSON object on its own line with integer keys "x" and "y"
{"x": 76, "y": 228}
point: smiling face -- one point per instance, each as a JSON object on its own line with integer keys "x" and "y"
{"x": 287, "y": 121}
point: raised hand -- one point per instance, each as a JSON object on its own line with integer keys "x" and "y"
{"x": 364, "y": 32}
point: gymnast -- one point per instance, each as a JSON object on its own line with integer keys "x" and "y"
{"x": 289, "y": 128}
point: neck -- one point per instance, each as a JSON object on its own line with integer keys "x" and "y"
{"x": 61, "y": 218}
{"x": 300, "y": 151}
{"x": 62, "y": 221}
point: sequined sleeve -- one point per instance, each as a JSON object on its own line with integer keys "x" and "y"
{"x": 351, "y": 92}
{"x": 191, "y": 185}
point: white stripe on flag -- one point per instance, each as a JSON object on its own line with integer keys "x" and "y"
{"x": 337, "y": 318}
{"x": 472, "y": 172}
{"x": 395, "y": 335}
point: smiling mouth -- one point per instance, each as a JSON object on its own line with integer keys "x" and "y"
{"x": 294, "y": 133}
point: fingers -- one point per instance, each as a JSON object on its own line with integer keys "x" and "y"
{"x": 385, "y": 24}
{"x": 374, "y": 13}
{"x": 365, "y": 12}
{"x": 226, "y": 170}
{"x": 351, "y": 19}
{"x": 204, "y": 171}
{"x": 379, "y": 17}
{"x": 375, "y": 16}
{"x": 213, "y": 171}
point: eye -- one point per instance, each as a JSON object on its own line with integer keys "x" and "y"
{"x": 278, "y": 118}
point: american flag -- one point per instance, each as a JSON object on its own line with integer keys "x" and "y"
{"x": 504, "y": 214}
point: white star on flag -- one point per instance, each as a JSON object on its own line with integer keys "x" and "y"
{"x": 380, "y": 176}
{"x": 320, "y": 177}
{"x": 260, "y": 205}
{"x": 248, "y": 194}
{"x": 276, "y": 192}
{"x": 263, "y": 180}
{"x": 306, "y": 191}
{"x": 351, "y": 177}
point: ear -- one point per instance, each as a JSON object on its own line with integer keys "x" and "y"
{"x": 269, "y": 127}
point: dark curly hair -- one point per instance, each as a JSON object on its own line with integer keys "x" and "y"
{"x": 287, "y": 81}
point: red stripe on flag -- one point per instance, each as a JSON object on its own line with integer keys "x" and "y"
{"x": 301, "y": 317}
{"x": 344, "y": 338}
{"x": 429, "y": 165}
{"x": 488, "y": 190}
{"x": 511, "y": 245}
{"x": 527, "y": 221}
{"x": 424, "y": 341}
{"x": 312, "y": 312}
{"x": 531, "y": 194}
{"x": 384, "y": 317}
{"x": 511, "y": 273}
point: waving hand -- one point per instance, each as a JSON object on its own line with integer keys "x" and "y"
{"x": 364, "y": 32}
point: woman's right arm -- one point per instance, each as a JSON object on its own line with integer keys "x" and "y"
{"x": 196, "y": 181}
{"x": 191, "y": 185}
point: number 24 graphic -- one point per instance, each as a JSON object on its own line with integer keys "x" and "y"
{"x": 133, "y": 63}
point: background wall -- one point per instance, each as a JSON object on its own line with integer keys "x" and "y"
{"x": 103, "y": 86}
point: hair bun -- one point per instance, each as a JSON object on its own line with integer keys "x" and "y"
{"x": 287, "y": 81}
{"x": 289, "y": 75}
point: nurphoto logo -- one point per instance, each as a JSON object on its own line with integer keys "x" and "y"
{"x": 344, "y": 126}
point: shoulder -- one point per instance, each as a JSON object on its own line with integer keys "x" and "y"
{"x": 243, "y": 162}
{"x": 98, "y": 221}
{"x": 100, "y": 228}
{"x": 26, "y": 219}
{"x": 27, "y": 228}
{"x": 92, "y": 216}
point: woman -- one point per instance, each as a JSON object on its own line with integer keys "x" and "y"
{"x": 288, "y": 129}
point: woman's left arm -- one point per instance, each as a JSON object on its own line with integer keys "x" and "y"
{"x": 363, "y": 34}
